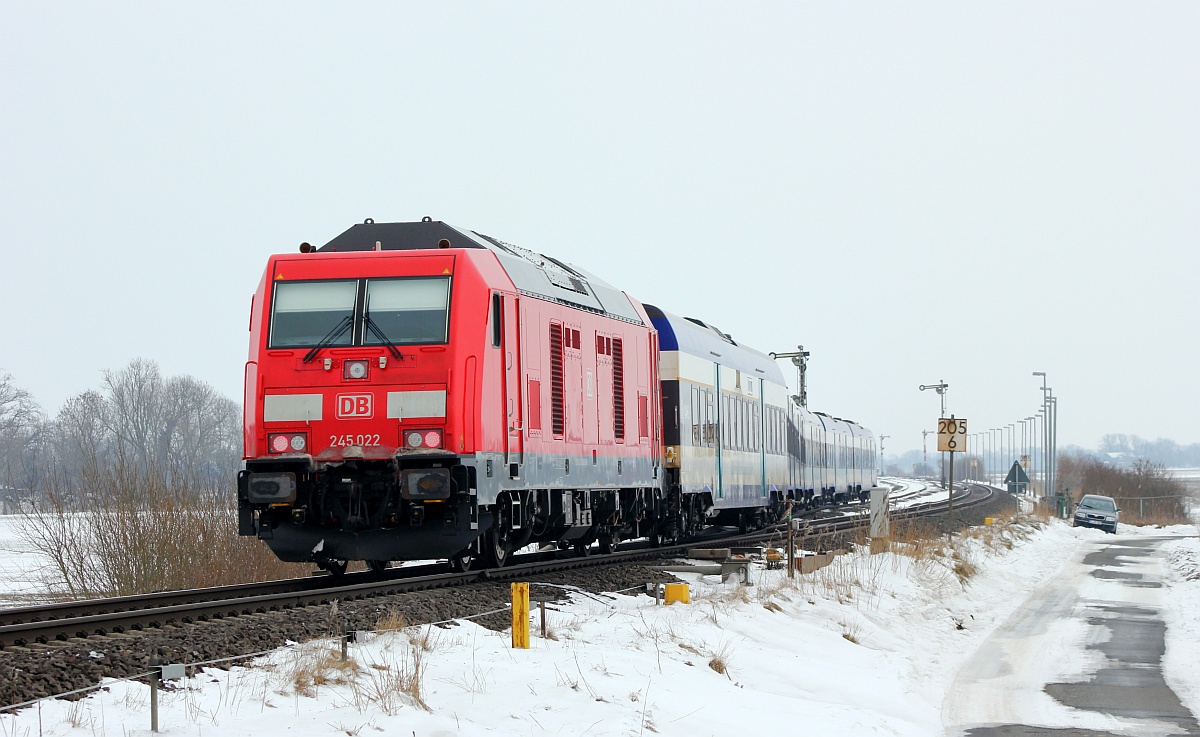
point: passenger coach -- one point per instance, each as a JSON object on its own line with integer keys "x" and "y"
{"x": 738, "y": 447}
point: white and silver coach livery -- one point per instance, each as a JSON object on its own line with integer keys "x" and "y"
{"x": 737, "y": 446}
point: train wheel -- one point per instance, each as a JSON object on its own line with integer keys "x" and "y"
{"x": 609, "y": 542}
{"x": 743, "y": 523}
{"x": 583, "y": 549}
{"x": 333, "y": 567}
{"x": 497, "y": 548}
{"x": 378, "y": 566}
{"x": 693, "y": 522}
{"x": 498, "y": 542}
{"x": 670, "y": 536}
{"x": 461, "y": 561}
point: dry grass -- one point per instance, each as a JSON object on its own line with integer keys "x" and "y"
{"x": 393, "y": 685}
{"x": 316, "y": 665}
{"x": 851, "y": 631}
{"x": 138, "y": 531}
{"x": 719, "y": 660}
{"x": 388, "y": 681}
{"x": 391, "y": 620}
{"x": 1149, "y": 514}
{"x": 962, "y": 567}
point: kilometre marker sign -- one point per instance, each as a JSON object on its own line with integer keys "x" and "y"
{"x": 952, "y": 435}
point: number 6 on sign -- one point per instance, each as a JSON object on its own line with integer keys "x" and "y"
{"x": 952, "y": 435}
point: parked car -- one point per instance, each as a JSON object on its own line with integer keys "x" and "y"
{"x": 1094, "y": 510}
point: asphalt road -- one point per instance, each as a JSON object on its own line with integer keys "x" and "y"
{"x": 1082, "y": 657}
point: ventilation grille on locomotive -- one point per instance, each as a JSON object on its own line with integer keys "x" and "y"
{"x": 618, "y": 362}
{"x": 556, "y": 379}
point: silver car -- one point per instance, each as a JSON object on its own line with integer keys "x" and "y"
{"x": 1094, "y": 510}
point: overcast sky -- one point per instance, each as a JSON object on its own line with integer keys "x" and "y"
{"x": 914, "y": 191}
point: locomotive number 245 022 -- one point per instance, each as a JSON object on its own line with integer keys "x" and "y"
{"x": 344, "y": 440}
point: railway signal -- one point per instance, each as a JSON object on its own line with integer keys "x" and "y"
{"x": 941, "y": 387}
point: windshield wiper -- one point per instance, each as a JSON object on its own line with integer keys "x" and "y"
{"x": 374, "y": 328}
{"x": 334, "y": 333}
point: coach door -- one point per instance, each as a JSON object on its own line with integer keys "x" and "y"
{"x": 720, "y": 434}
{"x": 514, "y": 456}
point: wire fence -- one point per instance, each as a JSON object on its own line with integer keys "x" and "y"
{"x": 1165, "y": 509}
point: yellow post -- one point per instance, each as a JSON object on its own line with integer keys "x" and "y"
{"x": 520, "y": 615}
{"x": 676, "y": 592}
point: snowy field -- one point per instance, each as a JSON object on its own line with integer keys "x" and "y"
{"x": 20, "y": 566}
{"x": 1189, "y": 476}
{"x": 866, "y": 646}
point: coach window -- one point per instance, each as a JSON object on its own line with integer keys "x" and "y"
{"x": 706, "y": 427}
{"x": 697, "y": 420}
{"x": 412, "y": 310}
{"x": 743, "y": 426}
{"x": 728, "y": 424}
{"x": 303, "y": 313}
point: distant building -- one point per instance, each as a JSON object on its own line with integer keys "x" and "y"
{"x": 1121, "y": 458}
{"x": 12, "y": 500}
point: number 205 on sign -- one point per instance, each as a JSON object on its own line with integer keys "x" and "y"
{"x": 952, "y": 435}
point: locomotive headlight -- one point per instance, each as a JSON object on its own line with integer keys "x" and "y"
{"x": 354, "y": 370}
{"x": 433, "y": 439}
{"x": 298, "y": 443}
{"x": 426, "y": 483}
{"x": 414, "y": 440}
{"x": 279, "y": 443}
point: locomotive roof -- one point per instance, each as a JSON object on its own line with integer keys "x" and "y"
{"x": 697, "y": 338}
{"x": 534, "y": 274}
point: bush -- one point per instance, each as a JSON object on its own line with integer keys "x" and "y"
{"x": 1146, "y": 493}
{"x": 138, "y": 530}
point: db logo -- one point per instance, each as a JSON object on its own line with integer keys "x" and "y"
{"x": 353, "y": 405}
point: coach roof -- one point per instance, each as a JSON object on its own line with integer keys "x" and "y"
{"x": 697, "y": 338}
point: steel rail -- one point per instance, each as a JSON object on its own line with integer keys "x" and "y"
{"x": 60, "y": 622}
{"x": 161, "y": 599}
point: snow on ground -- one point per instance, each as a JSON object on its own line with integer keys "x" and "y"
{"x": 1182, "y": 590}
{"x": 20, "y": 566}
{"x": 867, "y": 645}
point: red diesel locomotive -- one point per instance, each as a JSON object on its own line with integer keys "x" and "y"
{"x": 414, "y": 390}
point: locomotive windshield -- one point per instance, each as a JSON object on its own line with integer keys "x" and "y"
{"x": 304, "y": 312}
{"x": 321, "y": 313}
{"x": 413, "y": 310}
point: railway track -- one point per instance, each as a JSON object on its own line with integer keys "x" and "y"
{"x": 50, "y": 623}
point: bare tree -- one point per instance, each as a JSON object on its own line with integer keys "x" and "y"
{"x": 80, "y": 429}
{"x": 1115, "y": 443}
{"x": 179, "y": 424}
{"x": 21, "y": 424}
{"x": 134, "y": 411}
{"x": 152, "y": 459}
{"x": 202, "y": 430}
